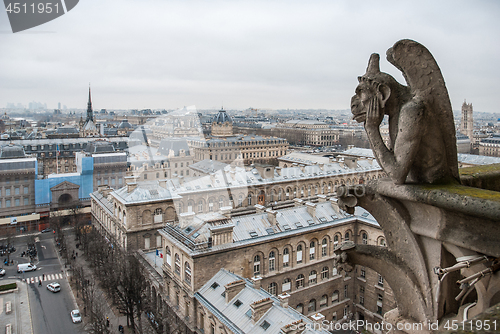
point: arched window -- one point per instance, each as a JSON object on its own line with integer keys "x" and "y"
{"x": 312, "y": 306}
{"x": 240, "y": 200}
{"x": 177, "y": 264}
{"x": 335, "y": 296}
{"x": 221, "y": 202}
{"x": 382, "y": 242}
{"x": 324, "y": 273}
{"x": 168, "y": 257}
{"x": 286, "y": 257}
{"x": 324, "y": 247}
{"x": 299, "y": 254}
{"x": 365, "y": 238}
{"x": 249, "y": 199}
{"x": 286, "y": 285}
{"x": 210, "y": 205}
{"x": 272, "y": 288}
{"x": 313, "y": 277}
{"x": 272, "y": 261}
{"x": 187, "y": 272}
{"x": 190, "y": 206}
{"x": 346, "y": 238}
{"x": 256, "y": 265}
{"x": 300, "y": 281}
{"x": 312, "y": 250}
{"x": 300, "y": 308}
{"x": 324, "y": 301}
{"x": 335, "y": 240}
{"x": 200, "y": 206}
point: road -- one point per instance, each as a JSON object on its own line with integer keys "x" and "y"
{"x": 50, "y": 312}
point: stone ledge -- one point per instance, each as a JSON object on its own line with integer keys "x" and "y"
{"x": 468, "y": 200}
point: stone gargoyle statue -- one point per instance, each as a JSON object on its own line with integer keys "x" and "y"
{"x": 422, "y": 145}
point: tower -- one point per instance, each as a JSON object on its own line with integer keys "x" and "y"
{"x": 222, "y": 124}
{"x": 90, "y": 113}
{"x": 467, "y": 123}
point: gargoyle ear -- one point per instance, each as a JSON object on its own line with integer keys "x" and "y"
{"x": 383, "y": 93}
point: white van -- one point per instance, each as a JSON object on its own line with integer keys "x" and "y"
{"x": 25, "y": 267}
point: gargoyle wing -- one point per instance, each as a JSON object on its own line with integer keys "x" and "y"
{"x": 423, "y": 76}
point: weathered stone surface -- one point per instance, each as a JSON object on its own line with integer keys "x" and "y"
{"x": 422, "y": 147}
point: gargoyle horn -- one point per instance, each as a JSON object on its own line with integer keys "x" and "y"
{"x": 373, "y": 65}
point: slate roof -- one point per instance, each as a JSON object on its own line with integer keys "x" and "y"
{"x": 238, "y": 319}
{"x": 145, "y": 191}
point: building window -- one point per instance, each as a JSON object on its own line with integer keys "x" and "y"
{"x": 145, "y": 176}
{"x": 361, "y": 300}
{"x": 365, "y": 239}
{"x": 147, "y": 241}
{"x": 363, "y": 272}
{"x": 210, "y": 205}
{"x": 346, "y": 311}
{"x": 299, "y": 254}
{"x": 18, "y": 202}
{"x": 313, "y": 277}
{"x": 187, "y": 272}
{"x": 380, "y": 301}
{"x": 221, "y": 202}
{"x": 26, "y": 201}
{"x": 324, "y": 273}
{"x": 300, "y": 281}
{"x": 323, "y": 301}
{"x": 177, "y": 264}
{"x": 200, "y": 206}
{"x": 7, "y": 191}
{"x": 335, "y": 297}
{"x": 346, "y": 290}
{"x": 324, "y": 245}
{"x": 380, "y": 281}
{"x": 312, "y": 250}
{"x": 256, "y": 265}
{"x": 26, "y": 190}
{"x": 312, "y": 306}
{"x": 168, "y": 257}
{"x": 361, "y": 289}
{"x": 300, "y": 308}
{"x": 346, "y": 238}
{"x": 286, "y": 257}
{"x": 272, "y": 288}
{"x": 272, "y": 261}
{"x": 286, "y": 285}
{"x": 249, "y": 199}
{"x": 382, "y": 242}
{"x": 335, "y": 240}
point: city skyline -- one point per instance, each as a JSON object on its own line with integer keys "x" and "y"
{"x": 265, "y": 55}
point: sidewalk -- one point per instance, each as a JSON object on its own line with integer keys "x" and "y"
{"x": 115, "y": 318}
{"x": 20, "y": 316}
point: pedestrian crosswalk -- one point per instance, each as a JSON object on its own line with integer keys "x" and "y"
{"x": 43, "y": 278}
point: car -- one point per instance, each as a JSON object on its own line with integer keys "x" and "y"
{"x": 25, "y": 267}
{"x": 54, "y": 287}
{"x": 2, "y": 272}
{"x": 75, "y": 316}
{"x": 47, "y": 230}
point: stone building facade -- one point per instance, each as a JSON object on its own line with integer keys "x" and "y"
{"x": 288, "y": 252}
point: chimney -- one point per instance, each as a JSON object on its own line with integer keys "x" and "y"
{"x": 321, "y": 198}
{"x": 321, "y": 165}
{"x": 352, "y": 163}
{"x": 278, "y": 170}
{"x": 260, "y": 208}
{"x": 335, "y": 205}
{"x": 284, "y": 298}
{"x": 186, "y": 219}
{"x": 259, "y": 308}
{"x": 296, "y": 327}
{"x": 221, "y": 232}
{"x": 302, "y": 168}
{"x": 257, "y": 282}
{"x": 298, "y": 202}
{"x": 226, "y": 211}
{"x": 311, "y": 209}
{"x": 318, "y": 318}
{"x": 163, "y": 183}
{"x": 131, "y": 186}
{"x": 271, "y": 216}
{"x": 129, "y": 179}
{"x": 233, "y": 288}
{"x": 181, "y": 179}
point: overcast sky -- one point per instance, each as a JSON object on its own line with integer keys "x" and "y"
{"x": 260, "y": 54}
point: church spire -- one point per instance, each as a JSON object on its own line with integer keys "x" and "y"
{"x": 90, "y": 114}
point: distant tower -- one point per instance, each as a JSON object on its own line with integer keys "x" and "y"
{"x": 90, "y": 113}
{"x": 89, "y": 128}
{"x": 222, "y": 124}
{"x": 467, "y": 123}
